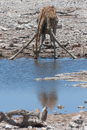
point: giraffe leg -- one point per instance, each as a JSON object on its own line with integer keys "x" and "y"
{"x": 53, "y": 40}
{"x": 54, "y": 50}
{"x": 54, "y": 31}
{"x": 25, "y": 45}
{"x": 74, "y": 57}
{"x": 42, "y": 40}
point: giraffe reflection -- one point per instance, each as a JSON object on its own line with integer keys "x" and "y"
{"x": 48, "y": 99}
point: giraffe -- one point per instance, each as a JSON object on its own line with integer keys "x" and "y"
{"x": 47, "y": 21}
{"x": 47, "y": 24}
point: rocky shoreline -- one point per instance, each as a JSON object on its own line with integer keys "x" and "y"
{"x": 72, "y": 121}
{"x": 80, "y": 76}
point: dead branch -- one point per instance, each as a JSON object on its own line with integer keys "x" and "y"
{"x": 60, "y": 12}
{"x": 74, "y": 57}
{"x": 66, "y": 13}
{"x": 34, "y": 13}
{"x": 28, "y": 118}
{"x": 23, "y": 113}
{"x": 25, "y": 45}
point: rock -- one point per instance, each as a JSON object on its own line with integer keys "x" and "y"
{"x": 23, "y": 22}
{"x": 59, "y": 26}
{"x": 43, "y": 128}
{"x": 19, "y": 28}
{"x": 55, "y": 112}
{"x": 15, "y": 40}
{"x": 49, "y": 50}
{"x": 75, "y": 122}
{"x": 8, "y": 126}
{"x": 83, "y": 85}
{"x": 50, "y": 128}
{"x": 85, "y": 101}
{"x": 85, "y": 33}
{"x": 73, "y": 125}
{"x": 77, "y": 119}
{"x": 63, "y": 124}
{"x": 68, "y": 128}
{"x": 60, "y": 107}
{"x": 76, "y": 45}
{"x": 85, "y": 128}
{"x": 81, "y": 111}
{"x": 38, "y": 79}
{"x": 81, "y": 107}
{"x": 50, "y": 78}
{"x": 66, "y": 84}
{"x": 30, "y": 127}
{"x": 3, "y": 45}
{"x": 3, "y": 28}
{"x": 30, "y": 25}
{"x": 1, "y": 41}
{"x": 33, "y": 26}
{"x": 11, "y": 45}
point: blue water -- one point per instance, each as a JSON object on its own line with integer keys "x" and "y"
{"x": 19, "y": 90}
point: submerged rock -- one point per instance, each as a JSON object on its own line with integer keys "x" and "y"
{"x": 85, "y": 101}
{"x": 81, "y": 107}
{"x": 60, "y": 107}
{"x": 75, "y": 76}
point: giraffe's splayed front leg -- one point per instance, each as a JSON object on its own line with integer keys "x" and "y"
{"x": 36, "y": 51}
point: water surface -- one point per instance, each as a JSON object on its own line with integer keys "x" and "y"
{"x": 19, "y": 90}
